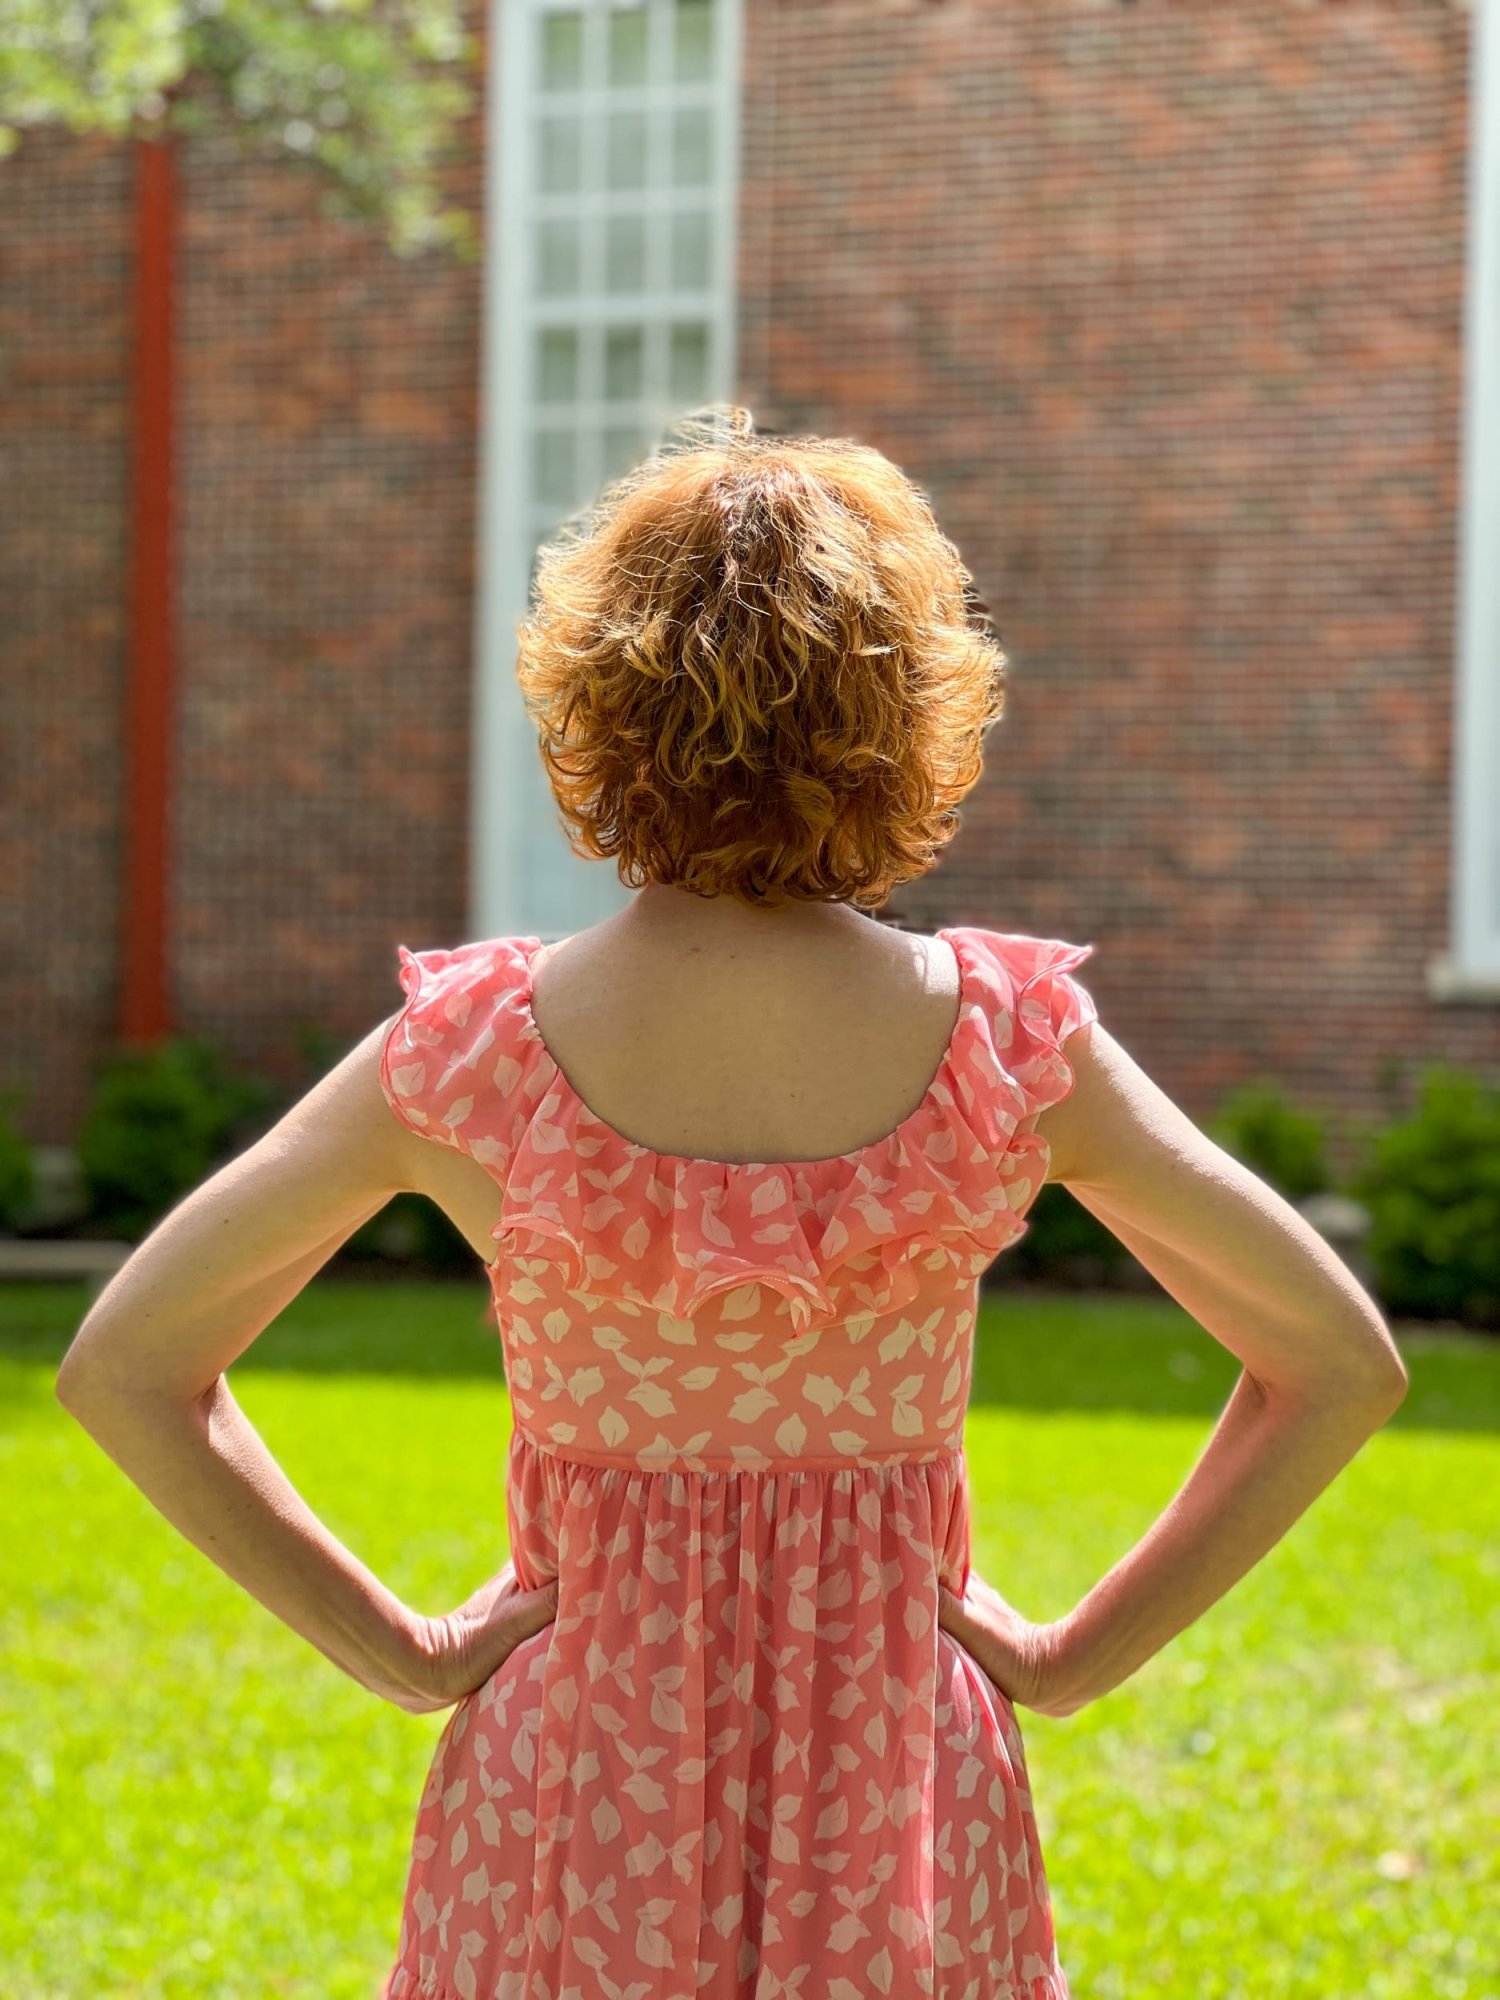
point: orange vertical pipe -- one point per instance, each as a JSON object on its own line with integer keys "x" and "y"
{"x": 144, "y": 1004}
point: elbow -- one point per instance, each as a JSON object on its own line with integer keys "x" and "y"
{"x": 1389, "y": 1393}
{"x": 1382, "y": 1382}
{"x": 73, "y": 1383}
{"x": 75, "y": 1387}
{"x": 66, "y": 1383}
{"x": 99, "y": 1398}
{"x": 1377, "y": 1393}
{"x": 1369, "y": 1394}
{"x": 82, "y": 1384}
{"x": 1375, "y": 1378}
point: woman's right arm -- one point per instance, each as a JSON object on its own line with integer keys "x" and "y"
{"x": 1320, "y": 1371}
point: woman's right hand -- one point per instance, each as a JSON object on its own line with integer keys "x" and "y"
{"x": 457, "y": 1653}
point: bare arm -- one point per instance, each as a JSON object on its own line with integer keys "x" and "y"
{"x": 144, "y": 1376}
{"x": 1320, "y": 1370}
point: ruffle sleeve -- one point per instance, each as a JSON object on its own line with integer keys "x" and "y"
{"x": 452, "y": 1065}
{"x": 1039, "y": 1004}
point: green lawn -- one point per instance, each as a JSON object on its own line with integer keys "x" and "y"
{"x": 1298, "y": 1797}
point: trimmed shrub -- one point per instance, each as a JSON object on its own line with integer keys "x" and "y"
{"x": 412, "y": 1230}
{"x": 1064, "y": 1242}
{"x": 1286, "y": 1146}
{"x": 17, "y": 1164}
{"x": 1431, "y": 1182}
{"x": 159, "y": 1120}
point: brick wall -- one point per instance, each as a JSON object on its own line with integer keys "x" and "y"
{"x": 64, "y": 283}
{"x": 325, "y": 499}
{"x": 329, "y": 399}
{"x": 1162, "y": 306}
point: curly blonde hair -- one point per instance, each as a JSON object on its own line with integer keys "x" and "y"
{"x": 758, "y": 667}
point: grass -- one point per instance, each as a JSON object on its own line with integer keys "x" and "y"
{"x": 1296, "y": 1798}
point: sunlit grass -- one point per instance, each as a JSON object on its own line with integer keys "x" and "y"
{"x": 1296, "y": 1798}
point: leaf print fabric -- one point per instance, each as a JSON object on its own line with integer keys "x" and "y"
{"x": 743, "y": 1761}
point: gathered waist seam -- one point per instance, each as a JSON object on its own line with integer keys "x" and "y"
{"x": 699, "y": 1468}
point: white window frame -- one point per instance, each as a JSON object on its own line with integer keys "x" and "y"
{"x": 510, "y": 795}
{"x": 1471, "y": 969}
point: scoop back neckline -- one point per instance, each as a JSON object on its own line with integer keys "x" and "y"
{"x": 532, "y": 943}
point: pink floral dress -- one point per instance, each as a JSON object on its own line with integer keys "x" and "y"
{"x": 743, "y": 1762}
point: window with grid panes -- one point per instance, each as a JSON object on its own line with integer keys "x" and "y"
{"x": 1471, "y": 967}
{"x": 630, "y": 292}
{"x": 616, "y": 123}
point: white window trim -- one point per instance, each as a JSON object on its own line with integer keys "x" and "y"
{"x": 1471, "y": 970}
{"x": 504, "y": 755}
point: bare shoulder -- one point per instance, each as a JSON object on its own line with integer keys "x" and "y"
{"x": 1117, "y": 1129}
{"x": 1110, "y": 1096}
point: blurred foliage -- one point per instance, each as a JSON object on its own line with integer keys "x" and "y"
{"x": 1431, "y": 1182}
{"x": 365, "y": 92}
{"x": 1064, "y": 1241}
{"x": 17, "y": 1164}
{"x": 158, "y": 1121}
{"x": 410, "y": 1230}
{"x": 416, "y": 1233}
{"x": 1285, "y": 1146}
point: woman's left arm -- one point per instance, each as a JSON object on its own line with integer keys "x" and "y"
{"x": 144, "y": 1374}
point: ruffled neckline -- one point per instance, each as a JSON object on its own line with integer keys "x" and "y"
{"x": 531, "y": 945}
{"x": 842, "y": 1237}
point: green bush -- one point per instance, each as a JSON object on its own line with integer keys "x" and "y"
{"x": 1431, "y": 1182}
{"x": 17, "y": 1167}
{"x": 1063, "y": 1240}
{"x": 159, "y": 1120}
{"x": 1285, "y": 1146}
{"x": 414, "y": 1231}
{"x": 410, "y": 1230}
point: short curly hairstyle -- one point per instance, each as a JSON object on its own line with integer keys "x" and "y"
{"x": 757, "y": 667}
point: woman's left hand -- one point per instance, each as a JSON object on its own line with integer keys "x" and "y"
{"x": 457, "y": 1654}
{"x": 1020, "y": 1657}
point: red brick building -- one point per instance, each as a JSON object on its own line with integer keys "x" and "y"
{"x": 1188, "y": 319}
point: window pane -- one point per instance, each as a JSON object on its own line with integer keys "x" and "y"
{"x": 692, "y": 146}
{"x": 555, "y": 467}
{"x": 624, "y": 363}
{"x": 557, "y": 364}
{"x": 627, "y": 45}
{"x": 562, "y": 50}
{"x": 625, "y": 254}
{"x": 560, "y": 166}
{"x": 624, "y": 446}
{"x": 690, "y": 252}
{"x": 687, "y": 364}
{"x": 557, "y": 255}
{"x": 693, "y": 41}
{"x": 626, "y": 152}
